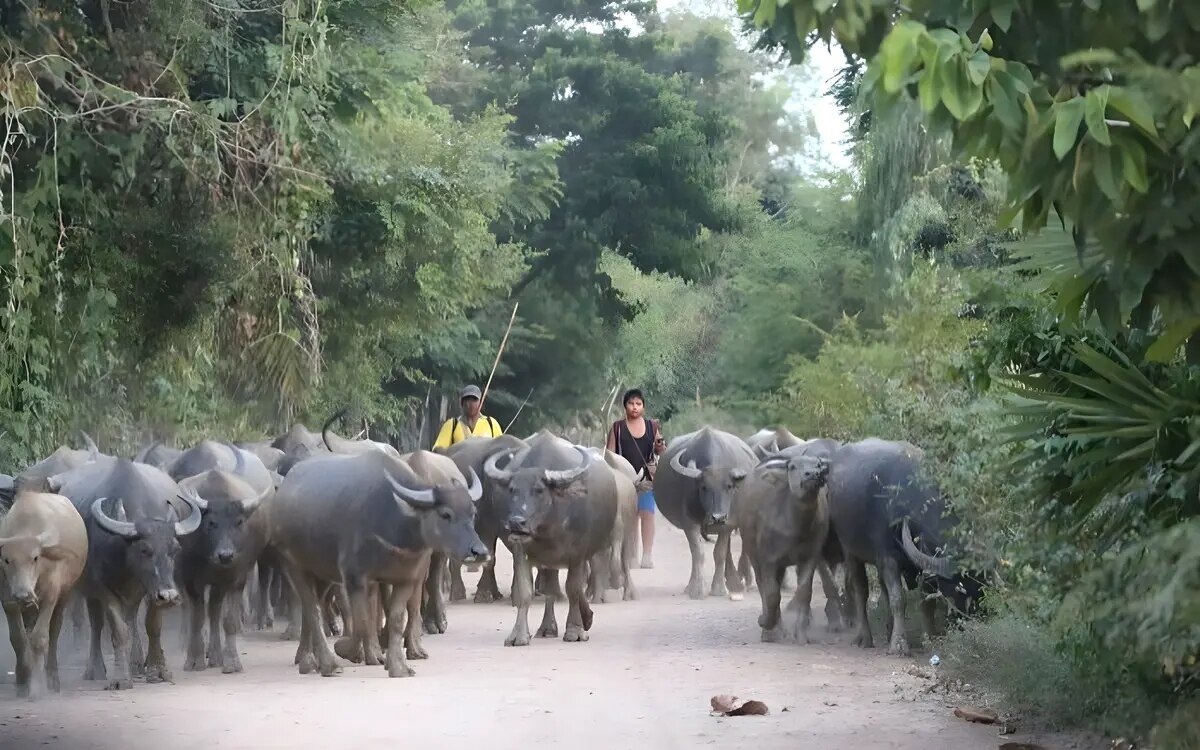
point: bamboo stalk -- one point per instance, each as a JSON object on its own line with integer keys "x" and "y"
{"x": 499, "y": 351}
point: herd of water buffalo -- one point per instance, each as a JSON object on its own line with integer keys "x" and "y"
{"x": 371, "y": 542}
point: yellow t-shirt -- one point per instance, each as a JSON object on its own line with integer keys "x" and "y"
{"x": 455, "y": 431}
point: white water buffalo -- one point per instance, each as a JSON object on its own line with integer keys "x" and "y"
{"x": 698, "y": 476}
{"x": 610, "y": 569}
{"x": 135, "y": 515}
{"x": 43, "y": 548}
{"x": 363, "y": 519}
{"x": 559, "y": 506}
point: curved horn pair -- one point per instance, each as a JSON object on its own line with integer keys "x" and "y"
{"x": 491, "y": 467}
{"x": 938, "y": 566}
{"x": 690, "y": 471}
{"x": 129, "y": 531}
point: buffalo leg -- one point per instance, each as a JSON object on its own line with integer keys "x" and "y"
{"x": 232, "y": 620}
{"x": 434, "y": 615}
{"x": 412, "y": 630}
{"x": 295, "y": 615}
{"x": 547, "y": 585}
{"x": 629, "y": 550}
{"x": 889, "y": 574}
{"x": 522, "y": 594}
{"x": 156, "y": 658}
{"x": 95, "y": 668}
{"x": 381, "y": 594}
{"x": 695, "y": 587}
{"x": 856, "y": 575}
{"x": 488, "y": 590}
{"x": 397, "y": 664}
{"x": 217, "y": 600}
{"x": 53, "y": 682}
{"x": 194, "y": 616}
{"x": 579, "y": 611}
{"x": 770, "y": 575}
{"x": 549, "y": 626}
{"x": 833, "y": 600}
{"x": 363, "y": 636}
{"x": 720, "y": 581}
{"x": 118, "y": 627}
{"x": 264, "y": 615}
{"x": 745, "y": 568}
{"x": 137, "y": 650}
{"x": 39, "y": 641}
{"x": 19, "y": 639}
{"x": 311, "y": 613}
{"x": 458, "y": 589}
{"x": 802, "y": 599}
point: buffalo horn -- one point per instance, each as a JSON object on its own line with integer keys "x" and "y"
{"x": 564, "y": 477}
{"x": 196, "y": 504}
{"x": 415, "y": 498}
{"x": 939, "y": 566}
{"x": 474, "y": 486}
{"x": 110, "y": 524}
{"x": 690, "y": 471}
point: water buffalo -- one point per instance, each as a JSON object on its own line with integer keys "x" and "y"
{"x": 559, "y": 507}
{"x": 360, "y": 519}
{"x": 297, "y": 444}
{"x": 768, "y": 441}
{"x": 471, "y": 454}
{"x": 132, "y": 512}
{"x": 878, "y": 503}
{"x": 698, "y": 476}
{"x": 609, "y": 569}
{"x": 43, "y": 548}
{"x": 158, "y": 455}
{"x": 61, "y": 460}
{"x": 7, "y": 490}
{"x": 337, "y": 444}
{"x": 217, "y": 559}
{"x": 783, "y": 517}
{"x": 270, "y": 456}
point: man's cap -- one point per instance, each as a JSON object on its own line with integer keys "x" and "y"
{"x": 471, "y": 391}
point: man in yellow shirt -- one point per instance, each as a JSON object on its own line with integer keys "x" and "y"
{"x": 471, "y": 424}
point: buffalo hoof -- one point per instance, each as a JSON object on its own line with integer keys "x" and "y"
{"x": 290, "y": 634}
{"x": 864, "y": 640}
{"x": 232, "y": 666}
{"x": 156, "y": 674}
{"x": 307, "y": 664}
{"x": 53, "y": 683}
{"x": 349, "y": 649}
{"x": 609, "y": 597}
{"x": 119, "y": 685}
{"x": 416, "y": 652}
{"x": 458, "y": 592}
{"x": 195, "y": 664}
{"x": 23, "y": 691}
{"x": 695, "y": 590}
{"x": 517, "y": 640}
{"x": 575, "y": 635}
{"x": 330, "y": 670}
{"x": 401, "y": 670}
{"x": 548, "y": 630}
{"x": 95, "y": 673}
{"x": 771, "y": 635}
{"x": 768, "y": 623}
{"x": 483, "y": 596}
{"x": 899, "y": 647}
{"x": 719, "y": 591}
{"x": 373, "y": 657}
{"x": 434, "y": 625}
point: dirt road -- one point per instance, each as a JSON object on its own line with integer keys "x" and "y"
{"x": 643, "y": 681}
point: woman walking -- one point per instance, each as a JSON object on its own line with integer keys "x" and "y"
{"x": 639, "y": 440}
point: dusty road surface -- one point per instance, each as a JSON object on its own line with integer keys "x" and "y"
{"x": 643, "y": 681}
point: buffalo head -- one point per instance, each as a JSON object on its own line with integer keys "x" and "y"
{"x": 533, "y": 491}
{"x": 446, "y": 513}
{"x": 717, "y": 487}
{"x": 152, "y": 545}
{"x": 20, "y": 561}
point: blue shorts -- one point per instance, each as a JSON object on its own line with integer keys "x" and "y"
{"x": 646, "y": 501}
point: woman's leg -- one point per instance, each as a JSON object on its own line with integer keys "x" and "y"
{"x": 646, "y": 519}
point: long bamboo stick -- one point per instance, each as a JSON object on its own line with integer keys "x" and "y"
{"x": 499, "y": 351}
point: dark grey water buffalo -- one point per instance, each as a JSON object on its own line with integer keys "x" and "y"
{"x": 559, "y": 506}
{"x": 43, "y": 548}
{"x": 217, "y": 559}
{"x": 885, "y": 513}
{"x": 439, "y": 470}
{"x": 698, "y": 476}
{"x": 471, "y": 454}
{"x": 783, "y": 516}
{"x": 360, "y": 519}
{"x": 337, "y": 444}
{"x": 297, "y": 444}
{"x": 135, "y": 515}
